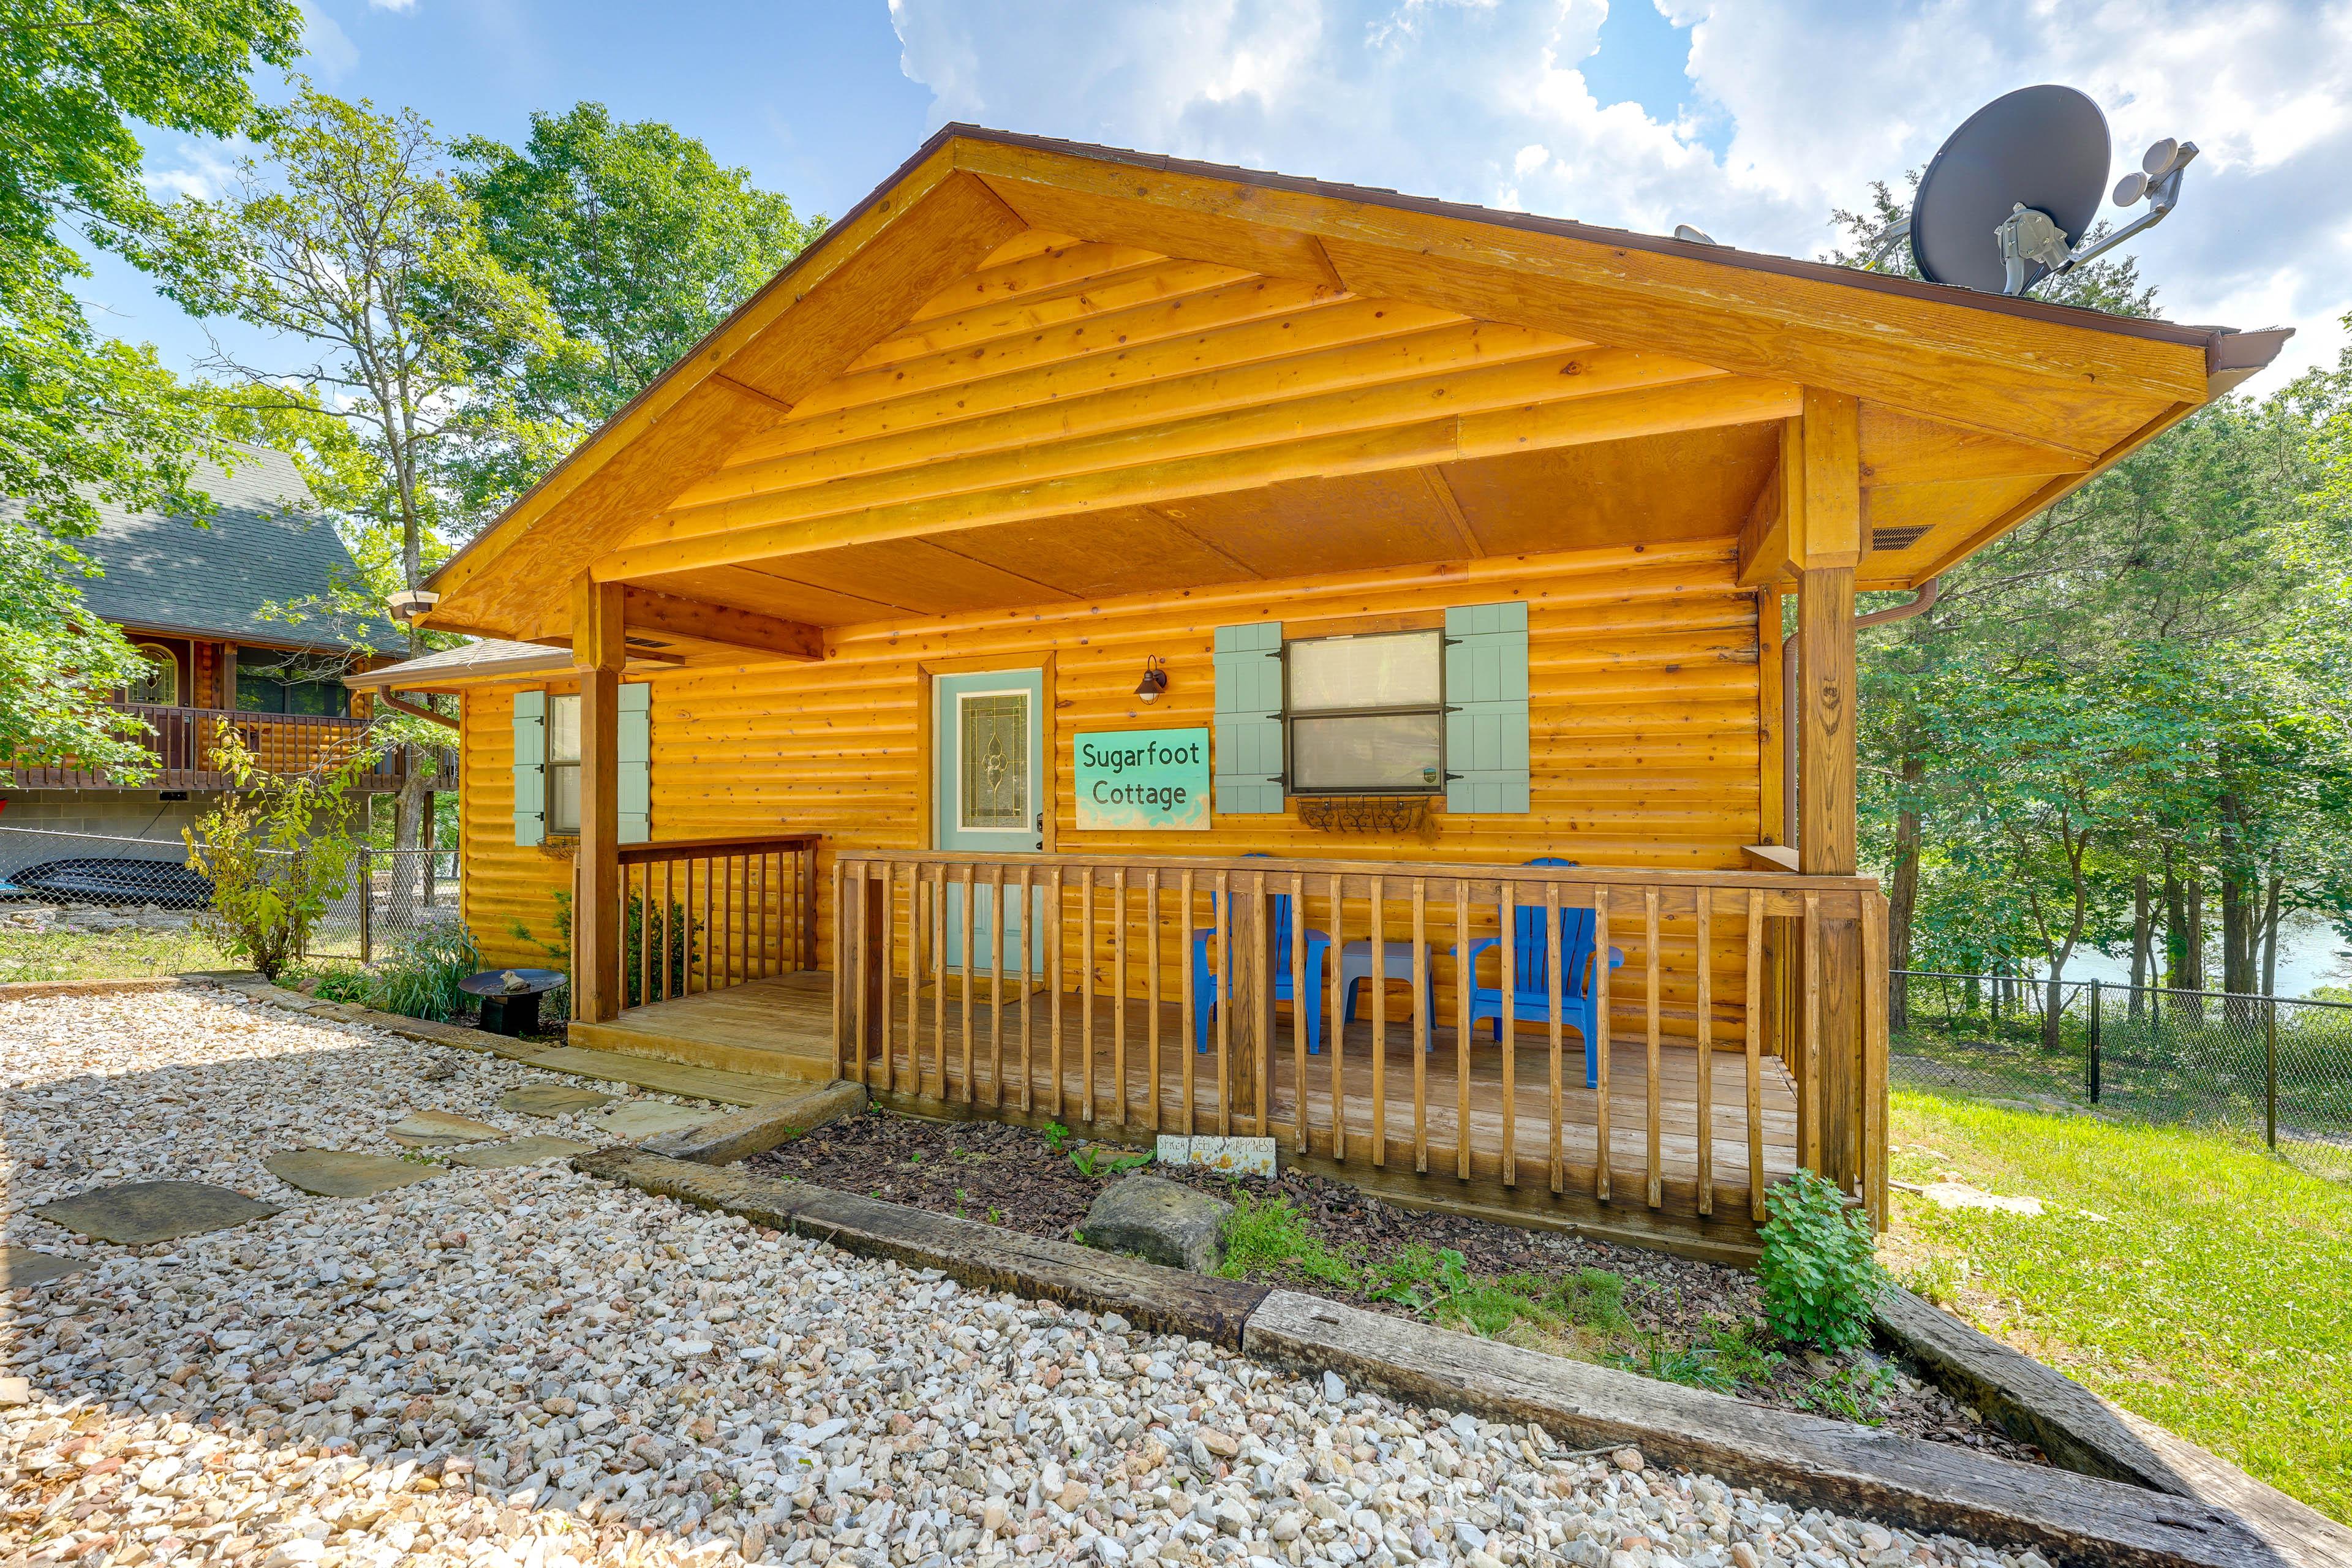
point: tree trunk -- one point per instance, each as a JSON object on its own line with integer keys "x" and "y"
{"x": 2143, "y": 935}
{"x": 2193, "y": 901}
{"x": 1903, "y": 896}
{"x": 2176, "y": 925}
{"x": 2270, "y": 936}
{"x": 409, "y": 807}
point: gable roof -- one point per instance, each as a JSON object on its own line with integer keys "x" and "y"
{"x": 267, "y": 543}
{"x": 2085, "y": 386}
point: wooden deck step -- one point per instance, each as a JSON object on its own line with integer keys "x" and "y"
{"x": 670, "y": 1078}
{"x": 779, "y": 1027}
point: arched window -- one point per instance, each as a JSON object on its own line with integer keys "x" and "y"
{"x": 159, "y": 688}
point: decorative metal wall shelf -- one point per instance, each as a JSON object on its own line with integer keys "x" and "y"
{"x": 1365, "y": 813}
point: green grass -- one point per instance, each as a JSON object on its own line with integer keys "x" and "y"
{"x": 2189, "y": 1276}
{"x": 1272, "y": 1238}
{"x": 106, "y": 955}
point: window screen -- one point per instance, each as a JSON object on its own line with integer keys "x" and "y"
{"x": 1366, "y": 715}
{"x": 563, "y": 765}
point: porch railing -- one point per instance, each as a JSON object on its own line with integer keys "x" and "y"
{"x": 180, "y": 743}
{"x": 702, "y": 914}
{"x": 1744, "y": 1033}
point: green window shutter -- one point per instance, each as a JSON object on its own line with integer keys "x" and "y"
{"x": 1486, "y": 708}
{"x": 1249, "y": 718}
{"x": 634, "y": 742}
{"x": 531, "y": 767}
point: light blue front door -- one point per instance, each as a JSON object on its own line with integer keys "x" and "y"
{"x": 990, "y": 797}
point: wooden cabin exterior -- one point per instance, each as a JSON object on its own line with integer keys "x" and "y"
{"x": 1451, "y": 541}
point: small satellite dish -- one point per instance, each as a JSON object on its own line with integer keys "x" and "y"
{"x": 1690, "y": 236}
{"x": 2043, "y": 150}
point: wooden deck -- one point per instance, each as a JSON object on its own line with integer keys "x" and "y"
{"x": 784, "y": 1026}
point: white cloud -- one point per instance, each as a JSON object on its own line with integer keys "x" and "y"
{"x": 391, "y": 5}
{"x": 332, "y": 52}
{"x": 1484, "y": 100}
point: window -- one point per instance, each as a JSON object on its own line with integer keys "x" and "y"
{"x": 1365, "y": 714}
{"x": 993, "y": 761}
{"x": 563, "y": 766}
{"x": 159, "y": 685}
{"x": 271, "y": 681}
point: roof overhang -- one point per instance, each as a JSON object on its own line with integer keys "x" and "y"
{"x": 1972, "y": 403}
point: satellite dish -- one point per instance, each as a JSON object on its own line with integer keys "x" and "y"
{"x": 2045, "y": 149}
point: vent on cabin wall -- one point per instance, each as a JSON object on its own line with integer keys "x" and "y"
{"x": 1895, "y": 538}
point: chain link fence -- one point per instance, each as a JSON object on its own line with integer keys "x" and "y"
{"x": 2275, "y": 1066}
{"x": 97, "y": 883}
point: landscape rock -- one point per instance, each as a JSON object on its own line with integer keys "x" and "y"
{"x": 552, "y": 1099}
{"x": 645, "y": 1119}
{"x": 757, "y": 1129}
{"x": 331, "y": 1173}
{"x": 1158, "y": 1220}
{"x": 153, "y": 1211}
{"x": 1960, "y": 1195}
{"x": 21, "y": 1266}
{"x": 440, "y": 1128}
{"x": 528, "y": 1150}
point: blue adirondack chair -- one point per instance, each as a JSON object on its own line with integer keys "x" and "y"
{"x": 1204, "y": 979}
{"x": 1532, "y": 954}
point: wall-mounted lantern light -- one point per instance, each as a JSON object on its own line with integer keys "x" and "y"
{"x": 1154, "y": 681}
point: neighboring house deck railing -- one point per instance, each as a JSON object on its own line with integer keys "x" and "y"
{"x": 183, "y": 741}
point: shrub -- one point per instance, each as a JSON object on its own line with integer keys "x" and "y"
{"x": 419, "y": 977}
{"x": 1819, "y": 1274}
{"x": 277, "y": 849}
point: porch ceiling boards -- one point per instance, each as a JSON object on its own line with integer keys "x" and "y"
{"x": 1027, "y": 372}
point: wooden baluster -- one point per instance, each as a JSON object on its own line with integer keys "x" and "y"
{"x": 1809, "y": 1051}
{"x": 1299, "y": 994}
{"x": 1378, "y": 987}
{"x": 669, "y": 984}
{"x": 1027, "y": 982}
{"x": 889, "y": 934}
{"x": 758, "y": 865}
{"x": 1151, "y": 963}
{"x": 1223, "y": 923}
{"x": 646, "y": 935}
{"x": 939, "y": 975}
{"x": 1872, "y": 1115}
{"x": 1601, "y": 1043}
{"x": 1053, "y": 946}
{"x": 1262, "y": 976}
{"x": 1423, "y": 998}
{"x": 1555, "y": 959}
{"x": 731, "y": 939}
{"x": 1335, "y": 1030}
{"x": 915, "y": 934}
{"x": 996, "y": 986}
{"x": 1704, "y": 898}
{"x": 1755, "y": 1032}
{"x": 1118, "y": 997}
{"x": 1507, "y": 924}
{"x": 964, "y": 984}
{"x": 1185, "y": 1016}
{"x": 841, "y": 972}
{"x": 1465, "y": 979}
{"x": 1650, "y": 934}
{"x": 1086, "y": 993}
{"x": 708, "y": 942}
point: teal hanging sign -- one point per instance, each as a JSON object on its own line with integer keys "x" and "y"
{"x": 1142, "y": 780}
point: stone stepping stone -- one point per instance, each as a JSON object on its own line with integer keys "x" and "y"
{"x": 552, "y": 1099}
{"x": 528, "y": 1150}
{"x": 332, "y": 1173}
{"x": 21, "y": 1266}
{"x": 646, "y": 1118}
{"x": 441, "y": 1129}
{"x": 153, "y": 1211}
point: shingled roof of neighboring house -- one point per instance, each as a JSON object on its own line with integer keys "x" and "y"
{"x": 268, "y": 545}
{"x": 487, "y": 658}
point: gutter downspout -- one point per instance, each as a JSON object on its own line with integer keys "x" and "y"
{"x": 1924, "y": 602}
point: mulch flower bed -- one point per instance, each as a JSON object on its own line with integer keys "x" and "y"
{"x": 1675, "y": 1310}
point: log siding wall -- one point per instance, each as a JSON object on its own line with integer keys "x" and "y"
{"x": 1644, "y": 711}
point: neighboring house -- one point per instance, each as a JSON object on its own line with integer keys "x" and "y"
{"x": 193, "y": 601}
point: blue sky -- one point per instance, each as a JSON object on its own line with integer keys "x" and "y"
{"x": 1748, "y": 118}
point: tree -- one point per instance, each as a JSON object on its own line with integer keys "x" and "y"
{"x": 277, "y": 850}
{"x": 347, "y": 238}
{"x": 85, "y": 420}
{"x": 644, "y": 243}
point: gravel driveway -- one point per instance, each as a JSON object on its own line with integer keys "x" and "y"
{"x": 522, "y": 1368}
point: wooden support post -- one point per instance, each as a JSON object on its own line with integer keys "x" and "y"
{"x": 1825, "y": 847}
{"x": 597, "y": 652}
{"x": 1246, "y": 999}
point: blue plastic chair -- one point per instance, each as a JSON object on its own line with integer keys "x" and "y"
{"x": 1532, "y": 954}
{"x": 1204, "y": 979}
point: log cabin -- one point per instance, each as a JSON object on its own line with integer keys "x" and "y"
{"x": 1175, "y": 649}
